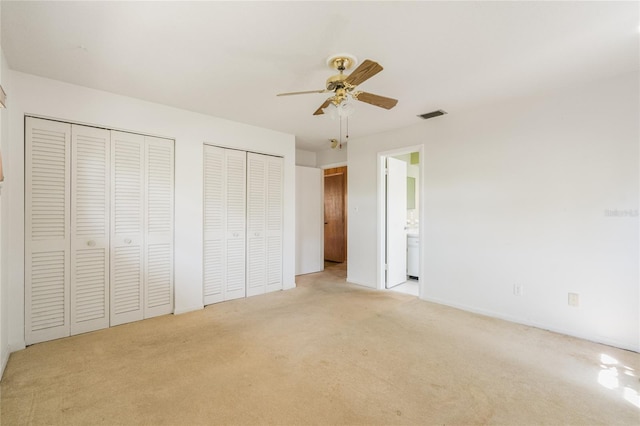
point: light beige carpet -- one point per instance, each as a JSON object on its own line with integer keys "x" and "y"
{"x": 324, "y": 353}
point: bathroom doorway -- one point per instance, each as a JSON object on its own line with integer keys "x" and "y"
{"x": 399, "y": 225}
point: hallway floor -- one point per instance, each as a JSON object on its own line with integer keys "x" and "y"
{"x": 326, "y": 352}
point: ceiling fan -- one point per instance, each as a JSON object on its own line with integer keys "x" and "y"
{"x": 343, "y": 85}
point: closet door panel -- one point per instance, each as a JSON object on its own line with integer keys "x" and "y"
{"x": 274, "y": 226}
{"x": 214, "y": 224}
{"x": 159, "y": 227}
{"x": 256, "y": 225}
{"x": 47, "y": 233}
{"x": 127, "y": 227}
{"x": 90, "y": 151}
{"x": 235, "y": 221}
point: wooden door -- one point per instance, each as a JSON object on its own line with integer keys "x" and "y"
{"x": 335, "y": 214}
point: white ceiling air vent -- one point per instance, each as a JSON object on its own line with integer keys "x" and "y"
{"x": 432, "y": 114}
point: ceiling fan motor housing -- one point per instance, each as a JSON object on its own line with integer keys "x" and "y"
{"x": 335, "y": 82}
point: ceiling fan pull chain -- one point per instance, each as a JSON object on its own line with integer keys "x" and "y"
{"x": 347, "y": 137}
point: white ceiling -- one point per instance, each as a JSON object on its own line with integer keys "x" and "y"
{"x": 229, "y": 59}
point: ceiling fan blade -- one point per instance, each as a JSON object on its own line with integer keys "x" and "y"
{"x": 302, "y": 93}
{"x": 320, "y": 111}
{"x": 377, "y": 100}
{"x": 364, "y": 72}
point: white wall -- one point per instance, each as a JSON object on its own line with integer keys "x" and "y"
{"x": 305, "y": 158}
{"x": 35, "y": 95}
{"x": 331, "y": 157}
{"x": 4, "y": 205}
{"x": 517, "y": 194}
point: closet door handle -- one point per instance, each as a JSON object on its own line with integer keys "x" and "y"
{"x": 235, "y": 234}
{"x": 91, "y": 243}
{"x": 257, "y": 234}
{"x": 127, "y": 241}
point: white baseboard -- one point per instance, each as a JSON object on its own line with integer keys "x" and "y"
{"x": 20, "y": 346}
{"x": 186, "y": 310}
{"x": 363, "y": 284}
{"x": 523, "y": 321}
{"x": 3, "y": 364}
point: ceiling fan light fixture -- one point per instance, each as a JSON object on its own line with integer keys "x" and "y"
{"x": 343, "y": 109}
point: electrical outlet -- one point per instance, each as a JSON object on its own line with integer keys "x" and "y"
{"x": 574, "y": 299}
{"x": 518, "y": 289}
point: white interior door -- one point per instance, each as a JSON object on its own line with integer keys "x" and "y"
{"x": 127, "y": 226}
{"x": 309, "y": 220}
{"x": 396, "y": 222}
{"x": 47, "y": 233}
{"x": 158, "y": 239}
{"x": 90, "y": 151}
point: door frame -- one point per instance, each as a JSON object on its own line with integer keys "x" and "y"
{"x": 381, "y": 240}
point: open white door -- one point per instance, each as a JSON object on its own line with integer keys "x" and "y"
{"x": 396, "y": 222}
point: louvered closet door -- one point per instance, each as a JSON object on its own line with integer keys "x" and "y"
{"x": 158, "y": 284}
{"x": 264, "y": 223}
{"x": 224, "y": 224}
{"x": 214, "y": 224}
{"x": 235, "y": 224}
{"x": 275, "y": 201}
{"x": 90, "y": 151}
{"x": 127, "y": 227}
{"x": 256, "y": 224}
{"x": 47, "y": 233}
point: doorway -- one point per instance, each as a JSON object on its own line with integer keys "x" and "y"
{"x": 399, "y": 213}
{"x": 335, "y": 214}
